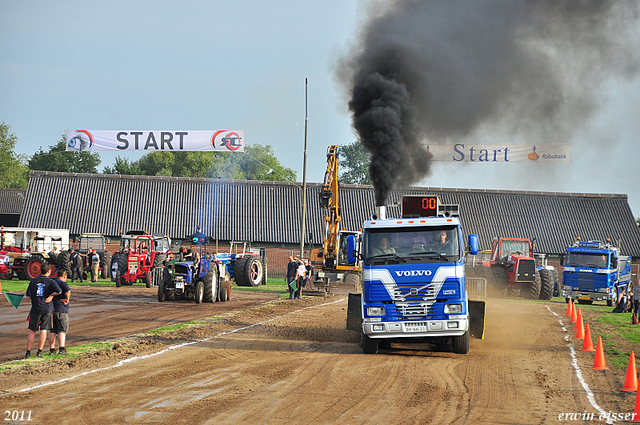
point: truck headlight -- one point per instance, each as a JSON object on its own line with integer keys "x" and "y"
{"x": 375, "y": 311}
{"x": 453, "y": 308}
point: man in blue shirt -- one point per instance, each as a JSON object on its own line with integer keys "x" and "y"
{"x": 41, "y": 291}
{"x": 60, "y": 315}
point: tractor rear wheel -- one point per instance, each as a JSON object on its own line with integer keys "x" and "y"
{"x": 238, "y": 271}
{"x": 253, "y": 271}
{"x": 118, "y": 279}
{"x": 148, "y": 280}
{"x": 546, "y": 285}
{"x": 210, "y": 282}
{"x": 369, "y": 345}
{"x": 532, "y": 290}
{"x": 460, "y": 344}
{"x": 158, "y": 260}
{"x": 32, "y": 267}
{"x": 199, "y": 292}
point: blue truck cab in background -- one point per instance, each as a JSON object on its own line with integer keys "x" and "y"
{"x": 593, "y": 271}
{"x": 414, "y": 279}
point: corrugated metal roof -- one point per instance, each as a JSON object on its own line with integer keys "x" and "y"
{"x": 270, "y": 212}
{"x": 12, "y": 200}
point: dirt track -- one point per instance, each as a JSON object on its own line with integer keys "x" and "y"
{"x": 102, "y": 313}
{"x": 293, "y": 362}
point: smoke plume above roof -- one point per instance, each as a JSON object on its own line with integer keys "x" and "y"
{"x": 445, "y": 71}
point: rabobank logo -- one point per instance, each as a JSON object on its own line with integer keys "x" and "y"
{"x": 409, "y": 273}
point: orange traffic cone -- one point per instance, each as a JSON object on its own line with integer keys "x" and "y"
{"x": 631, "y": 380}
{"x": 569, "y": 308}
{"x": 578, "y": 318}
{"x": 587, "y": 345}
{"x": 634, "y": 318}
{"x": 574, "y": 315}
{"x": 636, "y": 410}
{"x": 599, "y": 363}
{"x": 579, "y": 328}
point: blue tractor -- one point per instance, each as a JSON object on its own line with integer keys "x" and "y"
{"x": 246, "y": 268}
{"x": 194, "y": 278}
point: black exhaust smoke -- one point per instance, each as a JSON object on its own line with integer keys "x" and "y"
{"x": 447, "y": 71}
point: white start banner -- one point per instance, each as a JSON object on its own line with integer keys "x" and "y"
{"x": 465, "y": 152}
{"x": 155, "y": 140}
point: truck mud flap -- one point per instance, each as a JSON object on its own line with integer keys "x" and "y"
{"x": 477, "y": 311}
{"x": 354, "y": 312}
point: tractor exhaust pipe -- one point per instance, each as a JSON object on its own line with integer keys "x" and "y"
{"x": 381, "y": 212}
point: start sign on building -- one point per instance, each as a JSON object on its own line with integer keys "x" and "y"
{"x": 155, "y": 140}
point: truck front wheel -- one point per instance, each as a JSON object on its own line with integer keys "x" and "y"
{"x": 369, "y": 345}
{"x": 460, "y": 344}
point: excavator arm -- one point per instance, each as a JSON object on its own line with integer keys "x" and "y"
{"x": 329, "y": 202}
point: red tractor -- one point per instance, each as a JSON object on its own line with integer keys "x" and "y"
{"x": 140, "y": 258}
{"x": 514, "y": 270}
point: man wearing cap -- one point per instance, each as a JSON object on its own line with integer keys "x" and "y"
{"x": 95, "y": 264}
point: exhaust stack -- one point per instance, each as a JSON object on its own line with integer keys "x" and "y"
{"x": 381, "y": 212}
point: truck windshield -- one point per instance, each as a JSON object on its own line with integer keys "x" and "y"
{"x": 435, "y": 244}
{"x": 580, "y": 259}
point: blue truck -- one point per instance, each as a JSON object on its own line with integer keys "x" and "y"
{"x": 414, "y": 285}
{"x": 594, "y": 271}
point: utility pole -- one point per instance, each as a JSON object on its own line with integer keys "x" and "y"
{"x": 304, "y": 173}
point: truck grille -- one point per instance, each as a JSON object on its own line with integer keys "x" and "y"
{"x": 414, "y": 293}
{"x": 526, "y": 270}
{"x": 414, "y": 311}
{"x": 413, "y": 301}
{"x": 585, "y": 281}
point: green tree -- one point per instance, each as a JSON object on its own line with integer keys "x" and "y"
{"x": 158, "y": 163}
{"x": 259, "y": 163}
{"x": 256, "y": 163}
{"x": 123, "y": 166}
{"x": 13, "y": 170}
{"x": 57, "y": 158}
{"x": 354, "y": 160}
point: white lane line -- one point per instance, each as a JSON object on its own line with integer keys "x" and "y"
{"x": 166, "y": 350}
{"x": 574, "y": 363}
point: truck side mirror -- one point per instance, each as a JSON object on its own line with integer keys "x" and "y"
{"x": 562, "y": 260}
{"x": 614, "y": 262}
{"x": 351, "y": 249}
{"x": 473, "y": 244}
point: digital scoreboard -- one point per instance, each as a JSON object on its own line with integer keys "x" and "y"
{"x": 419, "y": 206}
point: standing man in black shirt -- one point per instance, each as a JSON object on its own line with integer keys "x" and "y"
{"x": 41, "y": 291}
{"x": 60, "y": 315}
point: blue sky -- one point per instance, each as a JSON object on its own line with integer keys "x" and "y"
{"x": 206, "y": 65}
